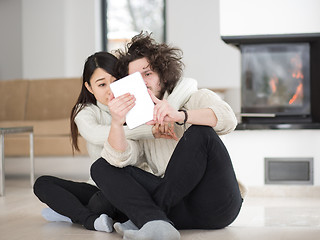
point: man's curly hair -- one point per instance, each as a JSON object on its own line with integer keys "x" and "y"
{"x": 163, "y": 59}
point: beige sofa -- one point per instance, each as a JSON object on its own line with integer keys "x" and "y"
{"x": 44, "y": 104}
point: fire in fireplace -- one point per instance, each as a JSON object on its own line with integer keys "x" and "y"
{"x": 275, "y": 82}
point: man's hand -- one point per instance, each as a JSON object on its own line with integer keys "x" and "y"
{"x": 164, "y": 131}
{"x": 164, "y": 112}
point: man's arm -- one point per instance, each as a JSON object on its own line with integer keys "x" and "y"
{"x": 203, "y": 108}
{"x": 164, "y": 112}
{"x": 205, "y": 117}
{"x": 225, "y": 119}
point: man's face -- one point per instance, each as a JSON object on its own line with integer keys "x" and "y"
{"x": 151, "y": 78}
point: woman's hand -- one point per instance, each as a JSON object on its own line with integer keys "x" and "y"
{"x": 164, "y": 112}
{"x": 164, "y": 131}
{"x": 120, "y": 106}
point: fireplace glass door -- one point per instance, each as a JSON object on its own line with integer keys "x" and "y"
{"x": 275, "y": 79}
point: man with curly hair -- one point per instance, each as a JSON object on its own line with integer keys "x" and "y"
{"x": 164, "y": 60}
{"x": 190, "y": 183}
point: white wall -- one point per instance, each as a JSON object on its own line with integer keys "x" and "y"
{"x": 83, "y": 34}
{"x": 53, "y": 38}
{"x": 47, "y": 39}
{"x": 43, "y": 37}
{"x": 57, "y": 37}
{"x": 248, "y": 148}
{"x": 252, "y": 17}
{"x": 194, "y": 27}
{"x": 11, "y": 39}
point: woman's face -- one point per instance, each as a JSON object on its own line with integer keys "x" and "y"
{"x": 100, "y": 85}
{"x": 151, "y": 78}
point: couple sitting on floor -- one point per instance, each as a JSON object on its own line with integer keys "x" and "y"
{"x": 148, "y": 182}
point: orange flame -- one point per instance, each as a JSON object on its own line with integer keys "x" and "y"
{"x": 299, "y": 92}
{"x": 273, "y": 84}
{"x": 297, "y": 74}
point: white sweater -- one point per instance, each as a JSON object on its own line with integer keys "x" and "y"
{"x": 156, "y": 153}
{"x": 93, "y": 121}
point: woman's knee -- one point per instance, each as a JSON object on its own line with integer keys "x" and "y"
{"x": 98, "y": 168}
{"x": 41, "y": 184}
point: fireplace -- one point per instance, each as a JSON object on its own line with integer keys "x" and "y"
{"x": 275, "y": 82}
{"x": 280, "y": 79}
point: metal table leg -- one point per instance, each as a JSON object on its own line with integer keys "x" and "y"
{"x": 31, "y": 160}
{"x": 13, "y": 130}
{"x": 2, "y": 191}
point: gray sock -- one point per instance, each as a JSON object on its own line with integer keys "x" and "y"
{"x": 121, "y": 227}
{"x": 155, "y": 230}
{"x": 52, "y": 216}
{"x": 103, "y": 223}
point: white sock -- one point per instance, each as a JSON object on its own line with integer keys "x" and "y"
{"x": 52, "y": 216}
{"x": 103, "y": 223}
{"x": 121, "y": 227}
{"x": 155, "y": 230}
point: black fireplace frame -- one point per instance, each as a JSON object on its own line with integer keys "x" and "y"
{"x": 314, "y": 40}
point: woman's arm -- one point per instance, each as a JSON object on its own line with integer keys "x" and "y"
{"x": 119, "y": 107}
{"x": 90, "y": 126}
{"x": 119, "y": 151}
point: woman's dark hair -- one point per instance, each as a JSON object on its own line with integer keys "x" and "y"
{"x": 163, "y": 59}
{"x": 102, "y": 60}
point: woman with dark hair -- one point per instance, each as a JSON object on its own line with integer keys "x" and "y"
{"x": 71, "y": 201}
{"x": 82, "y": 202}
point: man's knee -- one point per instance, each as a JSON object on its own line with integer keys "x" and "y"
{"x": 201, "y": 132}
{"x": 199, "y": 128}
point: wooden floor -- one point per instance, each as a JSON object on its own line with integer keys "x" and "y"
{"x": 260, "y": 219}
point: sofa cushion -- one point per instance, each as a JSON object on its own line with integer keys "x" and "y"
{"x": 52, "y": 99}
{"x": 43, "y": 146}
{"x": 51, "y": 138}
{"x": 59, "y": 127}
{"x": 44, "y": 104}
{"x": 13, "y": 96}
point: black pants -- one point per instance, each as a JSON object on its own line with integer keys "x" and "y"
{"x": 80, "y": 201}
{"x": 198, "y": 191}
